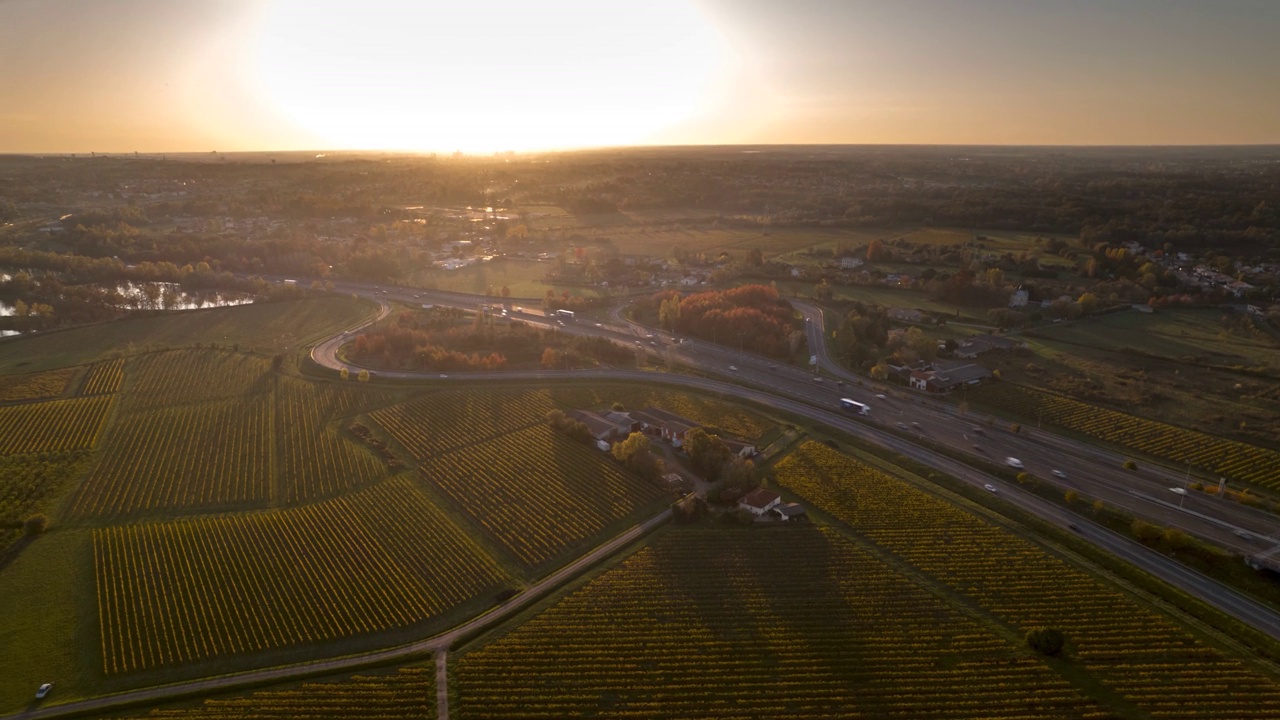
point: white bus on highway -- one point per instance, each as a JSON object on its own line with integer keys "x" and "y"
{"x": 855, "y": 406}
{"x": 564, "y": 314}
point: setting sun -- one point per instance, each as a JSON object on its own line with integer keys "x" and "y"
{"x": 504, "y": 75}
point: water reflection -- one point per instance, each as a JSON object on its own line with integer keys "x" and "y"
{"x": 168, "y": 296}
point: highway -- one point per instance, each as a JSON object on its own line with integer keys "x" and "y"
{"x": 1089, "y": 470}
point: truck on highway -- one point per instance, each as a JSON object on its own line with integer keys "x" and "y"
{"x": 564, "y": 314}
{"x": 855, "y": 406}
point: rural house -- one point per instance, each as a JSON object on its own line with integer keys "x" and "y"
{"x": 760, "y": 501}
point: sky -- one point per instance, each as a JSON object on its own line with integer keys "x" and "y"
{"x": 433, "y": 76}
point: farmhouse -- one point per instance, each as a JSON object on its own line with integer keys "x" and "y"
{"x": 760, "y": 501}
{"x": 790, "y": 511}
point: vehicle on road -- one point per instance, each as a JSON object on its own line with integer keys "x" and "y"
{"x": 600, "y": 325}
{"x": 880, "y": 396}
{"x": 1244, "y": 535}
{"x": 564, "y": 314}
{"x": 817, "y": 379}
{"x": 1178, "y": 491}
{"x": 977, "y": 430}
{"x": 915, "y": 425}
{"x": 773, "y": 366}
{"x": 1059, "y": 474}
{"x": 902, "y": 425}
{"x": 977, "y": 448}
{"x": 732, "y": 368}
{"x": 1014, "y": 463}
{"x": 855, "y": 406}
{"x": 443, "y": 376}
{"x": 43, "y": 690}
{"x": 840, "y": 383}
{"x": 1074, "y": 527}
{"x": 990, "y": 488}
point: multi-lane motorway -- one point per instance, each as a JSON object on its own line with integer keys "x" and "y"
{"x": 912, "y": 420}
{"x": 794, "y": 390}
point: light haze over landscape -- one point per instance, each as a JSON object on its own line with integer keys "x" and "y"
{"x": 645, "y": 360}
{"x": 155, "y": 75}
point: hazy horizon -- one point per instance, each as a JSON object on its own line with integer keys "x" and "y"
{"x": 287, "y": 75}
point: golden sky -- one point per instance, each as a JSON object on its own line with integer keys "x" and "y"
{"x": 170, "y": 75}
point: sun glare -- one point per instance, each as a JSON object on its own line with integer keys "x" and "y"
{"x": 483, "y": 77}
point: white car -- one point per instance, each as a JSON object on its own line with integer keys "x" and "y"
{"x": 732, "y": 368}
{"x": 443, "y": 376}
{"x": 817, "y": 379}
{"x": 1178, "y": 491}
{"x": 44, "y": 690}
{"x": 990, "y": 488}
{"x": 880, "y": 396}
{"x": 1013, "y": 462}
{"x": 1059, "y": 474}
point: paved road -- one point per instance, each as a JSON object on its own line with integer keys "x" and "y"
{"x": 438, "y": 644}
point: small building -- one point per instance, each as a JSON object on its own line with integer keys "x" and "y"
{"x": 622, "y": 419}
{"x": 972, "y": 347}
{"x": 849, "y": 262}
{"x": 601, "y": 428}
{"x": 674, "y": 431}
{"x": 760, "y": 501}
{"x": 947, "y": 378}
{"x": 740, "y": 449}
{"x": 1019, "y": 298}
{"x": 790, "y": 511}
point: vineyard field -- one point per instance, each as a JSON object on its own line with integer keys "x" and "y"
{"x": 181, "y": 377}
{"x": 317, "y": 460}
{"x": 789, "y": 622}
{"x": 189, "y": 590}
{"x": 444, "y": 421}
{"x": 216, "y": 454}
{"x": 105, "y": 377}
{"x": 1219, "y": 456}
{"x": 408, "y": 693}
{"x": 537, "y": 492}
{"x": 37, "y": 386}
{"x": 710, "y": 413}
{"x": 53, "y": 426}
{"x": 1146, "y": 658}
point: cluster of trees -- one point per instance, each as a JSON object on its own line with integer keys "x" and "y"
{"x": 753, "y": 317}
{"x": 566, "y": 425}
{"x": 636, "y": 454}
{"x": 443, "y": 339}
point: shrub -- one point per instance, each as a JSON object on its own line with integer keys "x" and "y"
{"x": 1050, "y": 642}
{"x": 1072, "y": 496}
{"x": 35, "y": 525}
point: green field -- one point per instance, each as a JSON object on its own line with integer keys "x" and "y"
{"x": 267, "y": 328}
{"x": 522, "y": 277}
{"x": 1205, "y": 369}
